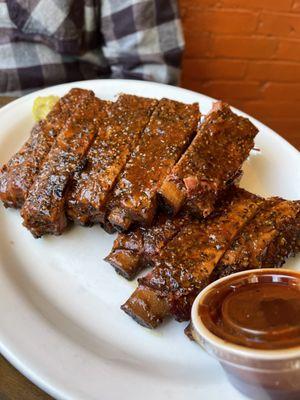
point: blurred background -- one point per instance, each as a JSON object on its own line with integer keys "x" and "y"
{"x": 246, "y": 52}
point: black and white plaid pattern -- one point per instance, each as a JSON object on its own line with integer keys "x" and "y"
{"x": 46, "y": 42}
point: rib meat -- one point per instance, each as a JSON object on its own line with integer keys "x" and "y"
{"x": 184, "y": 265}
{"x": 271, "y": 237}
{"x": 44, "y": 209}
{"x": 138, "y": 248}
{"x": 17, "y": 176}
{"x": 118, "y": 135}
{"x": 211, "y": 162}
{"x": 169, "y": 132}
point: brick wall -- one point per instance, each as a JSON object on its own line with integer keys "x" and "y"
{"x": 246, "y": 52}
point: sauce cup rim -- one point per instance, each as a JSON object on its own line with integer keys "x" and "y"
{"x": 235, "y": 349}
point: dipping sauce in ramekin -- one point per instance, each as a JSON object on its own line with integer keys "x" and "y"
{"x": 250, "y": 322}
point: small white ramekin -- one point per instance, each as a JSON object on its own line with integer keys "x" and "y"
{"x": 259, "y": 374}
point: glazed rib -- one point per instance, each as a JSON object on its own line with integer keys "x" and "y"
{"x": 185, "y": 264}
{"x": 169, "y": 132}
{"x": 266, "y": 242}
{"x": 138, "y": 248}
{"x": 211, "y": 162}
{"x": 17, "y": 176}
{"x": 118, "y": 135}
{"x": 44, "y": 209}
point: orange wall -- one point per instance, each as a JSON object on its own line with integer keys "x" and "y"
{"x": 246, "y": 52}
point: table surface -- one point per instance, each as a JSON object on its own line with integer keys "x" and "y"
{"x": 13, "y": 385}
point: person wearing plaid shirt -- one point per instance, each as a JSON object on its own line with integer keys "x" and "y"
{"x": 46, "y": 42}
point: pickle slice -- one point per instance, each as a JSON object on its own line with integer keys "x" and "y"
{"x": 42, "y": 106}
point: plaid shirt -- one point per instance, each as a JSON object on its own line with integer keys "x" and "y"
{"x": 46, "y": 42}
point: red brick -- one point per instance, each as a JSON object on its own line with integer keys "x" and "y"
{"x": 197, "y": 3}
{"x": 244, "y": 47}
{"x": 234, "y": 94}
{"x": 219, "y": 21}
{"x": 232, "y": 90}
{"x": 197, "y": 45}
{"x": 279, "y": 24}
{"x": 281, "y": 91}
{"x": 288, "y": 50}
{"x": 222, "y": 93}
{"x": 213, "y": 69}
{"x": 191, "y": 84}
{"x": 257, "y": 71}
{"x": 264, "y": 110}
{"x": 273, "y": 71}
{"x": 278, "y": 5}
{"x": 296, "y": 5}
{"x": 286, "y": 124}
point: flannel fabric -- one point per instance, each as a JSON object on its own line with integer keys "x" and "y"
{"x": 46, "y": 42}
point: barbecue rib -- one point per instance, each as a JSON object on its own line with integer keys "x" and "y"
{"x": 17, "y": 176}
{"x": 211, "y": 162}
{"x": 44, "y": 209}
{"x": 169, "y": 132}
{"x": 138, "y": 248}
{"x": 271, "y": 237}
{"x": 185, "y": 264}
{"x": 117, "y": 137}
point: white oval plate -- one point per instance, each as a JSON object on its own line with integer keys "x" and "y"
{"x": 61, "y": 323}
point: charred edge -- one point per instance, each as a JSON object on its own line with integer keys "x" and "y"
{"x": 127, "y": 263}
{"x": 108, "y": 227}
{"x": 119, "y": 220}
{"x": 146, "y": 307}
{"x": 171, "y": 198}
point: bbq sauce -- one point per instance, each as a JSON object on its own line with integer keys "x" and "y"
{"x": 262, "y": 314}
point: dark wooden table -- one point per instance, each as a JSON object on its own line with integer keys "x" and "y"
{"x": 13, "y": 385}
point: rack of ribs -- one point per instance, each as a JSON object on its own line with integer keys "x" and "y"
{"x": 169, "y": 132}
{"x": 44, "y": 209}
{"x": 271, "y": 237}
{"x": 138, "y": 248}
{"x": 17, "y": 176}
{"x": 184, "y": 265}
{"x": 118, "y": 135}
{"x": 211, "y": 163}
